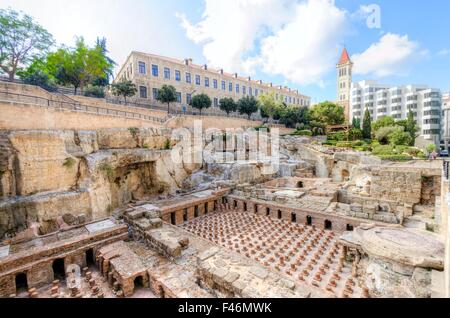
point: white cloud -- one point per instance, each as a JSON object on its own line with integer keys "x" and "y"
{"x": 298, "y": 40}
{"x": 393, "y": 54}
{"x": 443, "y": 52}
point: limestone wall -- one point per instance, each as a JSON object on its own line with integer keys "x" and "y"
{"x": 45, "y": 175}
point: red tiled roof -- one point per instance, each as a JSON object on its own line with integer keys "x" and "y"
{"x": 344, "y": 57}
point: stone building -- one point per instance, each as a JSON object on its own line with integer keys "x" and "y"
{"x": 149, "y": 72}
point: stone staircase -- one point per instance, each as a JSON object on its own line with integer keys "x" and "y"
{"x": 303, "y": 173}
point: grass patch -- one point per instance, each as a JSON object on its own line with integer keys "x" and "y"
{"x": 69, "y": 162}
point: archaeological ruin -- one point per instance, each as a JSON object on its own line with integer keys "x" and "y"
{"x": 168, "y": 210}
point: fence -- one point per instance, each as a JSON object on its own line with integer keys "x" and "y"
{"x": 75, "y": 106}
{"x": 174, "y": 110}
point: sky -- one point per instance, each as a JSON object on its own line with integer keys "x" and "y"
{"x": 296, "y": 43}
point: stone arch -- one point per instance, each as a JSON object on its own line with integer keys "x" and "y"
{"x": 328, "y": 225}
{"x": 300, "y": 184}
{"x": 138, "y": 282}
{"x": 58, "y": 267}
{"x": 90, "y": 258}
{"x": 173, "y": 218}
{"x": 349, "y": 227}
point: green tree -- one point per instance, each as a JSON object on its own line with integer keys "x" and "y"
{"x": 328, "y": 113}
{"x": 356, "y": 123}
{"x": 367, "y": 125}
{"x": 108, "y": 71}
{"x": 383, "y": 134}
{"x": 411, "y": 127}
{"x": 294, "y": 115}
{"x": 77, "y": 66}
{"x": 21, "y": 41}
{"x": 228, "y": 105}
{"x": 247, "y": 105}
{"x": 399, "y": 137}
{"x": 167, "y": 94}
{"x": 384, "y": 121}
{"x": 37, "y": 74}
{"x": 124, "y": 88}
{"x": 201, "y": 101}
{"x": 269, "y": 106}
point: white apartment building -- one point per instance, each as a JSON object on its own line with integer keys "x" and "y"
{"x": 445, "y": 122}
{"x": 396, "y": 101}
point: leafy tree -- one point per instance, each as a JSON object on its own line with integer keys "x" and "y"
{"x": 383, "y": 134}
{"x": 269, "y": 106}
{"x": 21, "y": 41}
{"x": 328, "y": 113}
{"x": 201, "y": 101}
{"x": 294, "y": 115}
{"x": 77, "y": 66}
{"x": 431, "y": 147}
{"x": 108, "y": 71}
{"x": 411, "y": 128}
{"x": 37, "y": 74}
{"x": 95, "y": 91}
{"x": 367, "y": 125}
{"x": 356, "y": 122}
{"x": 399, "y": 137}
{"x": 384, "y": 121}
{"x": 228, "y": 105}
{"x": 124, "y": 88}
{"x": 247, "y": 105}
{"x": 167, "y": 94}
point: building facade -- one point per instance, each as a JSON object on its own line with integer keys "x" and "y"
{"x": 149, "y": 72}
{"x": 396, "y": 101}
{"x": 445, "y": 122}
{"x": 344, "y": 81}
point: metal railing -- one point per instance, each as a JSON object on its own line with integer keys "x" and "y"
{"x": 446, "y": 168}
{"x": 174, "y": 109}
{"x": 75, "y": 106}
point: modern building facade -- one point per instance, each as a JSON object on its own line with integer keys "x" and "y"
{"x": 445, "y": 122}
{"x": 149, "y": 72}
{"x": 344, "y": 81}
{"x": 396, "y": 101}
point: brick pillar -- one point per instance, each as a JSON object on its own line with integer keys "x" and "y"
{"x": 211, "y": 207}
{"x": 179, "y": 217}
{"x": 190, "y": 213}
{"x": 240, "y": 206}
{"x": 201, "y": 209}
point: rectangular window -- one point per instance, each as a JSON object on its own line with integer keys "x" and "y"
{"x": 250, "y": 92}
{"x": 206, "y": 81}
{"x": 290, "y": 99}
{"x": 256, "y": 92}
{"x": 155, "y": 93}
{"x": 197, "y": 79}
{"x": 178, "y": 97}
{"x": 155, "y": 70}
{"x": 216, "y": 102}
{"x": 143, "y": 91}
{"x": 223, "y": 85}
{"x": 141, "y": 67}
{"x": 177, "y": 75}
{"x": 230, "y": 86}
{"x": 188, "y": 98}
{"x": 244, "y": 90}
{"x": 215, "y": 83}
{"x": 167, "y": 73}
{"x": 237, "y": 88}
{"x": 188, "y": 77}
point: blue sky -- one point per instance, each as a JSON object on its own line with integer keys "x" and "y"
{"x": 288, "y": 42}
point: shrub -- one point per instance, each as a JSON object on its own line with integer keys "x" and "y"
{"x": 69, "y": 162}
{"x": 339, "y": 136}
{"x": 330, "y": 143}
{"x": 167, "y": 144}
{"x": 382, "y": 134}
{"x": 383, "y": 150}
{"x": 396, "y": 157}
{"x": 133, "y": 131}
{"x": 302, "y": 133}
{"x": 94, "y": 91}
{"x": 355, "y": 134}
{"x": 358, "y": 143}
{"x": 262, "y": 127}
{"x": 399, "y": 138}
{"x": 344, "y": 144}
